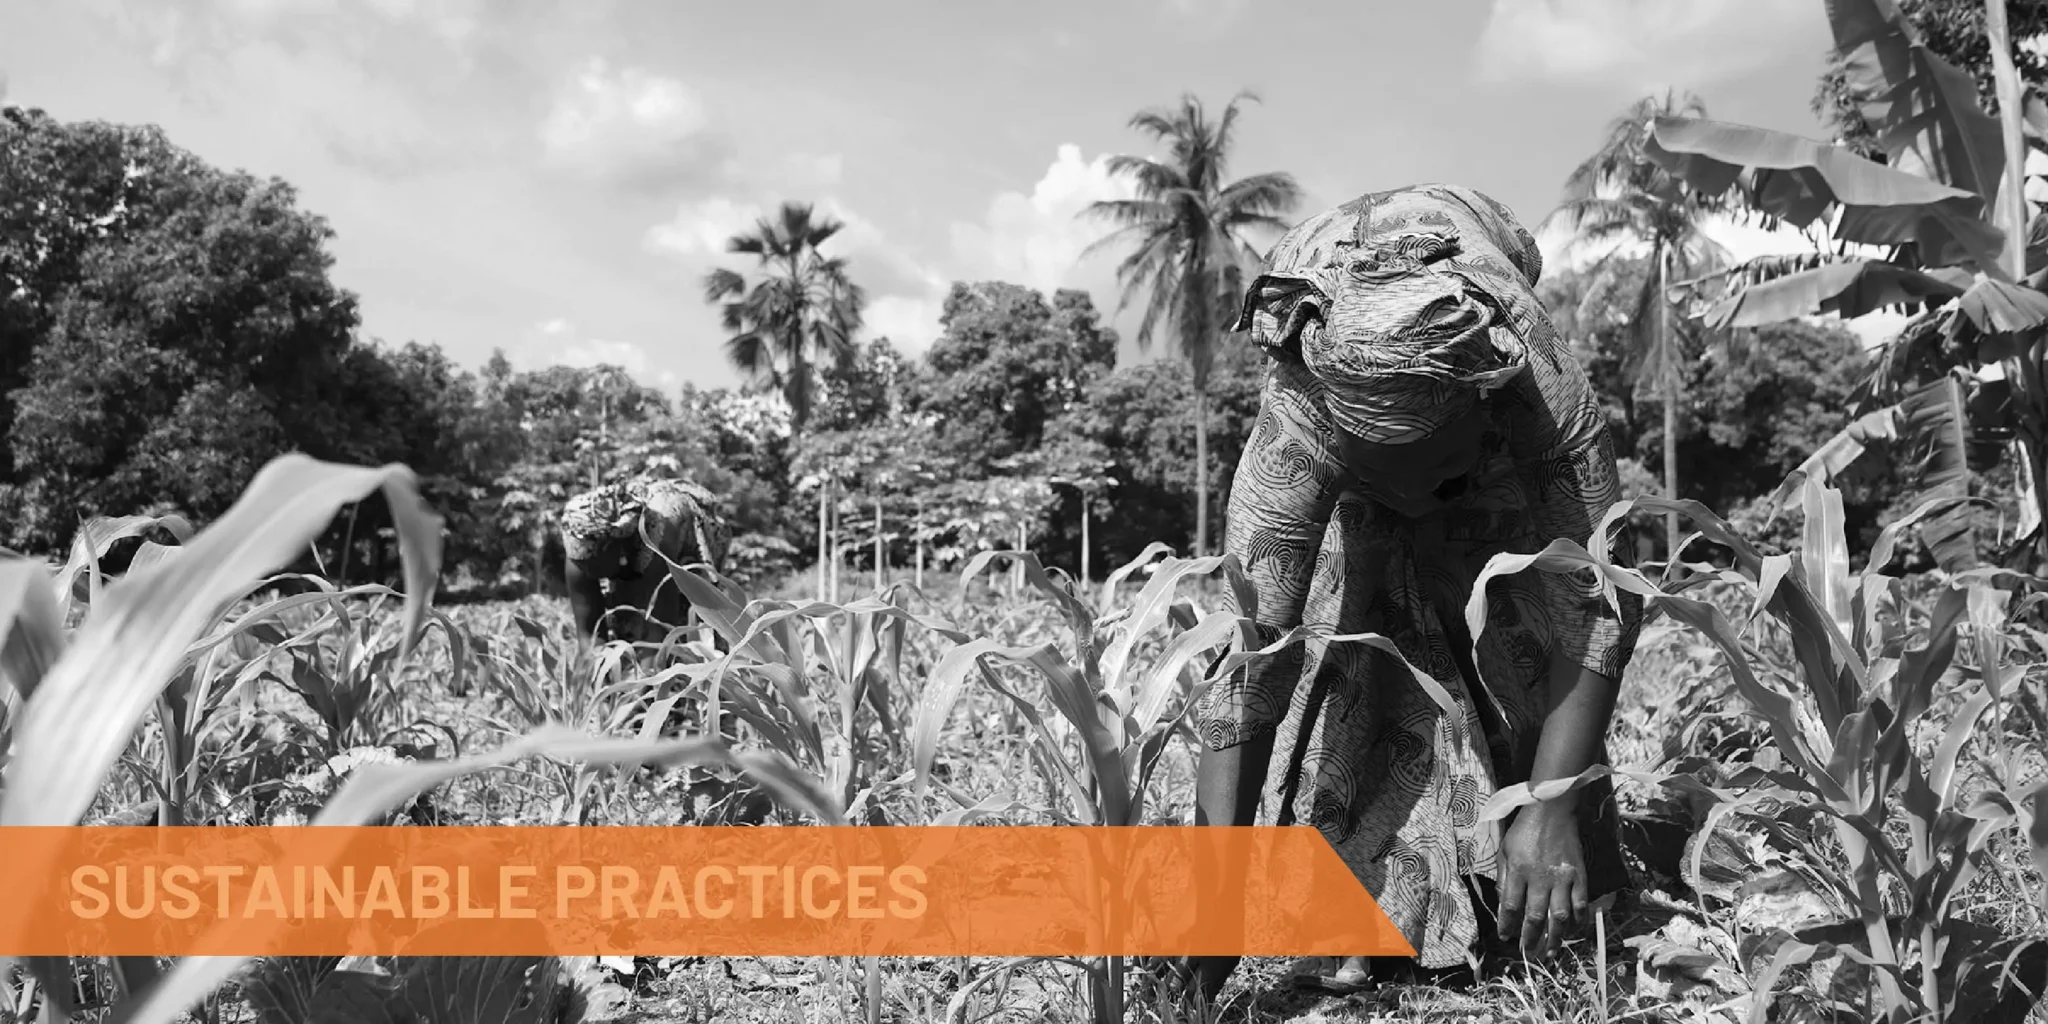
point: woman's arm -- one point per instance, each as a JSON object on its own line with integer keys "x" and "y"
{"x": 1288, "y": 479}
{"x": 1593, "y": 639}
{"x": 1545, "y": 887}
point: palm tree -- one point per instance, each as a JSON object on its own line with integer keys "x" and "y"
{"x": 802, "y": 309}
{"x": 1619, "y": 195}
{"x": 1189, "y": 252}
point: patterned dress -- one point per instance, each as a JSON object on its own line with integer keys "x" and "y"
{"x": 680, "y": 518}
{"x": 1361, "y": 750}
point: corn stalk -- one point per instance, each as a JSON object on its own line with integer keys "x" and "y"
{"x": 1844, "y": 752}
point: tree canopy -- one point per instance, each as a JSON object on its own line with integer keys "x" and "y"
{"x": 169, "y": 326}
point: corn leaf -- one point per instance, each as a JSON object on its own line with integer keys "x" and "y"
{"x": 1824, "y": 554}
{"x": 128, "y": 648}
{"x": 1079, "y": 617}
{"x": 1928, "y": 432}
{"x": 374, "y": 789}
{"x": 1148, "y": 612}
{"x": 1162, "y": 680}
{"x": 1070, "y": 695}
{"x": 97, "y": 537}
{"x": 1107, "y": 598}
{"x": 482, "y": 989}
{"x": 31, "y": 625}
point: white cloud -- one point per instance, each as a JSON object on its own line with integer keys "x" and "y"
{"x": 1038, "y": 239}
{"x": 558, "y": 343}
{"x": 910, "y": 322}
{"x": 815, "y": 170}
{"x": 1642, "y": 43}
{"x": 701, "y": 228}
{"x": 1218, "y": 13}
{"x": 1033, "y": 237}
{"x": 904, "y": 295}
{"x": 361, "y": 79}
{"x": 627, "y": 123}
{"x": 454, "y": 21}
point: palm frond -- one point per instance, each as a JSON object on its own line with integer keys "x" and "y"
{"x": 1258, "y": 196}
{"x": 722, "y": 284}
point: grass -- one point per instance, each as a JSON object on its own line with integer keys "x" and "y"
{"x": 897, "y": 716}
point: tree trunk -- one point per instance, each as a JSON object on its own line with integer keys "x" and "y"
{"x": 1201, "y": 473}
{"x": 917, "y": 537}
{"x": 1669, "y": 371}
{"x": 838, "y": 543}
{"x": 1017, "y": 567}
{"x": 881, "y": 556}
{"x": 824, "y": 496}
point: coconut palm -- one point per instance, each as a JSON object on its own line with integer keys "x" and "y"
{"x": 1618, "y": 195}
{"x": 1186, "y": 230}
{"x": 800, "y": 310}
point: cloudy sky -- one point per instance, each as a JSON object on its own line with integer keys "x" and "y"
{"x": 554, "y": 177}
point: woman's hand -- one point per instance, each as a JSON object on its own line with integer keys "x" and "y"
{"x": 1543, "y": 889}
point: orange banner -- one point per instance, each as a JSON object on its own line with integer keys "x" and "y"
{"x": 968, "y": 891}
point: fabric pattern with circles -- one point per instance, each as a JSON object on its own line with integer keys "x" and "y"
{"x": 1361, "y": 750}
{"x": 681, "y": 520}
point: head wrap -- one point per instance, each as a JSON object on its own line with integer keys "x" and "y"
{"x": 1410, "y": 305}
{"x": 673, "y": 511}
{"x": 598, "y": 515}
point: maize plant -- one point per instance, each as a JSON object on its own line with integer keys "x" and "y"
{"x": 799, "y": 677}
{"x": 1122, "y": 711}
{"x": 83, "y": 693}
{"x": 1847, "y": 757}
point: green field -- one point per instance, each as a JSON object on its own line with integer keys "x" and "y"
{"x": 1746, "y": 883}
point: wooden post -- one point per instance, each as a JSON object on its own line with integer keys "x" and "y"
{"x": 1017, "y": 570}
{"x": 1084, "y": 536}
{"x": 824, "y": 492}
{"x": 838, "y": 542}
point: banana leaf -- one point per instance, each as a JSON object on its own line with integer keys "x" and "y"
{"x": 1847, "y": 288}
{"x": 1923, "y": 109}
{"x": 2001, "y": 307}
{"x": 1801, "y": 179}
{"x": 1929, "y": 431}
{"x": 1798, "y": 179}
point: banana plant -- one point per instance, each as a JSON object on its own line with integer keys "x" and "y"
{"x": 1942, "y": 219}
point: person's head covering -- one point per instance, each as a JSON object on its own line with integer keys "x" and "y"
{"x": 602, "y": 514}
{"x": 672, "y": 511}
{"x": 1410, "y": 305}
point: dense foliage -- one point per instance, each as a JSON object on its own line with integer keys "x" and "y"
{"x": 1834, "y": 801}
{"x": 166, "y": 327}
